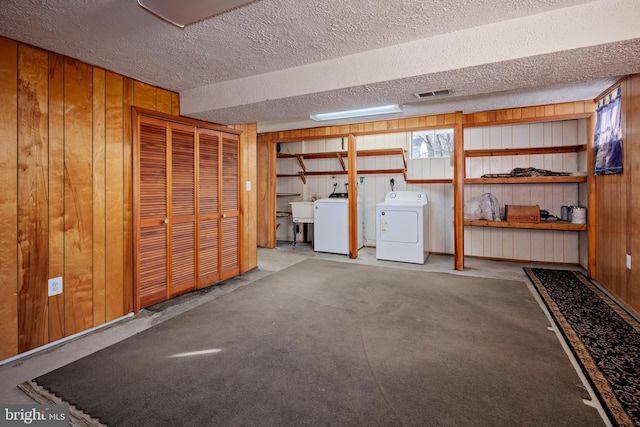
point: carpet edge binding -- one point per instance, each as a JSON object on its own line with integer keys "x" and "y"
{"x": 593, "y": 374}
{"x": 44, "y": 397}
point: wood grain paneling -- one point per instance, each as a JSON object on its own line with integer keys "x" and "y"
{"x": 144, "y": 95}
{"x": 33, "y": 238}
{"x": 56, "y": 192}
{"x": 164, "y": 100}
{"x": 66, "y": 198}
{"x": 266, "y": 189}
{"x": 249, "y": 173}
{"x": 99, "y": 201}
{"x": 617, "y": 203}
{"x": 78, "y": 239}
{"x": 8, "y": 198}
{"x": 127, "y": 220}
{"x": 632, "y": 142}
{"x": 114, "y": 197}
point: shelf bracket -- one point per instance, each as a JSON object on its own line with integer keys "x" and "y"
{"x": 339, "y": 155}
{"x": 301, "y": 161}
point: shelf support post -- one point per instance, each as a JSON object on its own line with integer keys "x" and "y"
{"x": 458, "y": 194}
{"x": 352, "y": 177}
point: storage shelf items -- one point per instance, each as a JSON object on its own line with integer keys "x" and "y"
{"x": 341, "y": 156}
{"x": 543, "y": 225}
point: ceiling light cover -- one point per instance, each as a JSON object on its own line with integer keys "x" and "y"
{"x": 384, "y": 109}
{"x": 185, "y": 12}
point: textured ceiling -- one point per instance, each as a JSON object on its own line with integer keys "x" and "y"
{"x": 277, "y": 61}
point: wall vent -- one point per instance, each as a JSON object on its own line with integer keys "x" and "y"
{"x": 431, "y": 93}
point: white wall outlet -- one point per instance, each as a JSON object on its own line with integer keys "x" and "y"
{"x": 55, "y": 286}
{"x": 248, "y": 185}
{"x": 628, "y": 262}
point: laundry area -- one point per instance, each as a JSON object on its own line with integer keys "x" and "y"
{"x": 405, "y": 194}
{"x": 313, "y": 208}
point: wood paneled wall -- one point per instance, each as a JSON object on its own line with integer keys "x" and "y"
{"x": 618, "y": 208}
{"x": 66, "y": 193}
{"x": 249, "y": 198}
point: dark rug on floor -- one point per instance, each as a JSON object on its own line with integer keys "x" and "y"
{"x": 604, "y": 338}
{"x": 339, "y": 343}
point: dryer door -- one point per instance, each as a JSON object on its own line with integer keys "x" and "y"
{"x": 398, "y": 226}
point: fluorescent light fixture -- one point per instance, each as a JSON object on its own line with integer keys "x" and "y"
{"x": 384, "y": 109}
{"x": 185, "y": 12}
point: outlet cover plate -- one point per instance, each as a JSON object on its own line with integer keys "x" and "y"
{"x": 55, "y": 286}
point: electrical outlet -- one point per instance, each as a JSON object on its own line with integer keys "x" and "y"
{"x": 55, "y": 286}
{"x": 628, "y": 262}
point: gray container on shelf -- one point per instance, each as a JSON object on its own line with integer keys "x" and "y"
{"x": 564, "y": 213}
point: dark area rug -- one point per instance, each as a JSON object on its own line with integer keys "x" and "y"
{"x": 344, "y": 344}
{"x": 604, "y": 338}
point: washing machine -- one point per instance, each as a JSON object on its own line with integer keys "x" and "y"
{"x": 402, "y": 227}
{"x": 331, "y": 225}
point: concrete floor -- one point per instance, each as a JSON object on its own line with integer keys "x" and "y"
{"x": 17, "y": 370}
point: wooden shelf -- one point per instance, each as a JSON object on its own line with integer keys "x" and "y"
{"x": 559, "y": 149}
{"x": 528, "y": 180}
{"x": 558, "y": 225}
{"x": 341, "y": 155}
{"x": 287, "y": 194}
{"x": 430, "y": 181}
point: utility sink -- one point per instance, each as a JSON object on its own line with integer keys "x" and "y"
{"x": 302, "y": 211}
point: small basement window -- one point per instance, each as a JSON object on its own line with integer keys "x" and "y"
{"x": 431, "y": 144}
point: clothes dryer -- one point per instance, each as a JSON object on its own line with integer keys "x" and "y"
{"x": 402, "y": 227}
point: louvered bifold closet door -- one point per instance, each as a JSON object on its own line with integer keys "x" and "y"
{"x": 151, "y": 248}
{"x": 182, "y": 209}
{"x": 209, "y": 213}
{"x": 230, "y": 207}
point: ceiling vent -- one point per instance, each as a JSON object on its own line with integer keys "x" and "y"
{"x": 432, "y": 93}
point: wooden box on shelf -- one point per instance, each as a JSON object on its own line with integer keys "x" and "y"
{"x": 522, "y": 213}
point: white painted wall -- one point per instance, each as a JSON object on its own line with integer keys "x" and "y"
{"x": 538, "y": 245}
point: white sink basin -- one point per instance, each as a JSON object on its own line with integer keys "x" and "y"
{"x": 302, "y": 211}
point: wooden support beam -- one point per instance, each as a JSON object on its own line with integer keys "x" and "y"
{"x": 353, "y": 197}
{"x": 458, "y": 194}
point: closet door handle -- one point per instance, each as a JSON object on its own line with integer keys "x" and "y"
{"x": 166, "y": 220}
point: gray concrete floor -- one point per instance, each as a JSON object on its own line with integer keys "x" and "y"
{"x": 17, "y": 370}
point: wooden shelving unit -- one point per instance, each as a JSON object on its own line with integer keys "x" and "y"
{"x": 543, "y": 225}
{"x": 342, "y": 156}
{"x": 509, "y": 117}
